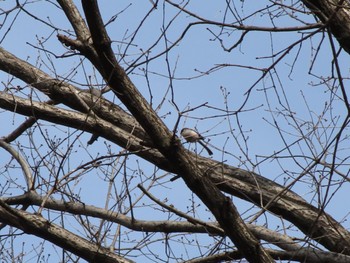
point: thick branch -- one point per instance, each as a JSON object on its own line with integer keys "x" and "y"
{"x": 315, "y": 223}
{"x": 76, "y": 20}
{"x": 69, "y": 95}
{"x": 335, "y": 14}
{"x": 80, "y": 121}
{"x": 302, "y": 255}
{"x": 168, "y": 226}
{"x": 292, "y": 250}
{"x": 220, "y": 205}
{"x": 37, "y": 225}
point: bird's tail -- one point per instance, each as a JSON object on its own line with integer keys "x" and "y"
{"x": 206, "y": 147}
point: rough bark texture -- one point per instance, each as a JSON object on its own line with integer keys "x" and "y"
{"x": 335, "y": 14}
{"x": 37, "y": 225}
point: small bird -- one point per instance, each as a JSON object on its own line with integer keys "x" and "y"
{"x": 191, "y": 135}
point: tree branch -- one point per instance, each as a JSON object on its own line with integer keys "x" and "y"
{"x": 40, "y": 227}
{"x": 23, "y": 163}
{"x": 335, "y": 14}
{"x": 221, "y": 206}
{"x": 292, "y": 250}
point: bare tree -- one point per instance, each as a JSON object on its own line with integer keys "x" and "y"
{"x": 104, "y": 174}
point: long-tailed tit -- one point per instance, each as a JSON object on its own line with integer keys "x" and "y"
{"x": 191, "y": 135}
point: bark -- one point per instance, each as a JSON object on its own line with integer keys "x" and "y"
{"x": 335, "y": 14}
{"x": 292, "y": 251}
{"x": 37, "y": 225}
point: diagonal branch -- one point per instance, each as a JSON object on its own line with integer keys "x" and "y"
{"x": 77, "y": 120}
{"x": 292, "y": 251}
{"x": 221, "y": 206}
{"x": 43, "y": 228}
{"x": 192, "y": 226}
{"x": 335, "y": 14}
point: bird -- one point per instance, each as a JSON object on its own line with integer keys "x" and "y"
{"x": 191, "y": 135}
